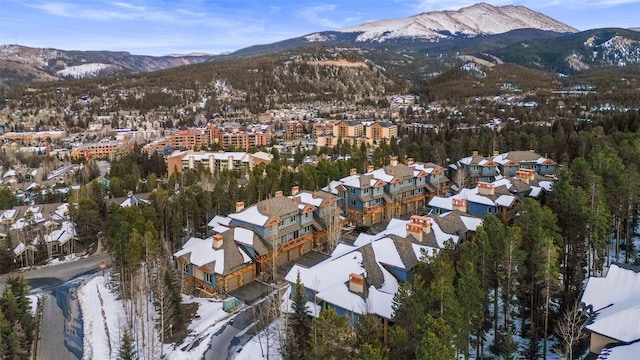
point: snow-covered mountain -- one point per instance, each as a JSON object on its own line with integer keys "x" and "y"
{"x": 24, "y": 64}
{"x": 478, "y": 19}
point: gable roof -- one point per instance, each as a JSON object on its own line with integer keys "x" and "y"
{"x": 615, "y": 302}
{"x": 226, "y": 259}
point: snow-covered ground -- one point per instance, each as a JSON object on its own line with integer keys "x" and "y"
{"x": 103, "y": 313}
{"x": 256, "y": 348}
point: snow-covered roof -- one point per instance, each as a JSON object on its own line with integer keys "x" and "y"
{"x": 9, "y": 173}
{"x": 332, "y": 187}
{"x": 380, "y": 174}
{"x": 615, "y": 300}
{"x": 351, "y": 181}
{"x": 66, "y": 232}
{"x": 203, "y": 253}
{"x": 471, "y": 223}
{"x": 132, "y": 201}
{"x": 307, "y": 198}
{"x": 505, "y": 200}
{"x": 546, "y": 185}
{"x": 620, "y": 352}
{"x": 250, "y": 215}
{"x": 242, "y": 235}
{"x": 441, "y": 203}
{"x": 9, "y": 214}
{"x": 19, "y": 249}
{"x": 535, "y": 191}
{"x": 219, "y": 220}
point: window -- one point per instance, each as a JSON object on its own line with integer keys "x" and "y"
{"x": 186, "y": 269}
{"x": 209, "y": 278}
{"x": 293, "y": 219}
{"x": 352, "y": 190}
{"x": 352, "y": 203}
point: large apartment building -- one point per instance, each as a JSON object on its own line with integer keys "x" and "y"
{"x": 215, "y": 162}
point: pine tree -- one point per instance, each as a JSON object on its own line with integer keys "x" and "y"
{"x": 331, "y": 336}
{"x": 299, "y": 324}
{"x": 436, "y": 343}
{"x": 127, "y": 351}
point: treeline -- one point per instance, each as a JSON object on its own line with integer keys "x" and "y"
{"x": 17, "y": 323}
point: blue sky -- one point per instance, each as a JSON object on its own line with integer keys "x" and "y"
{"x": 160, "y": 27}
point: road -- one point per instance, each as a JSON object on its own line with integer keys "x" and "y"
{"x": 226, "y": 338}
{"x": 61, "y": 336}
{"x": 50, "y": 276}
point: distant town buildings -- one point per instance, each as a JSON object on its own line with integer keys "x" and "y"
{"x": 356, "y": 132}
{"x": 215, "y": 162}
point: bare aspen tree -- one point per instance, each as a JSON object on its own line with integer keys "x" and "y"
{"x": 569, "y": 328}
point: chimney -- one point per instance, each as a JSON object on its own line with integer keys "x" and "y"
{"x": 474, "y": 153}
{"x": 239, "y": 206}
{"x": 459, "y": 204}
{"x": 217, "y": 241}
{"x": 370, "y": 168}
{"x": 278, "y": 193}
{"x": 496, "y": 153}
{"x": 353, "y": 171}
{"x": 356, "y": 283}
{"x": 485, "y": 188}
{"x": 418, "y": 225}
{"x": 409, "y": 161}
{"x": 295, "y": 190}
{"x": 315, "y": 194}
{"x": 394, "y": 161}
{"x": 522, "y": 175}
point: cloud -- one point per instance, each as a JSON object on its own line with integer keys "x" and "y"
{"x": 122, "y": 11}
{"x": 324, "y": 15}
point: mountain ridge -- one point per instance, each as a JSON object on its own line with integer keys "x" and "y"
{"x": 474, "y": 20}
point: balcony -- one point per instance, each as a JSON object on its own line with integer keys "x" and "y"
{"x": 412, "y": 198}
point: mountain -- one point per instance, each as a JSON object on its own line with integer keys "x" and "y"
{"x": 475, "y": 20}
{"x": 576, "y": 52}
{"x": 25, "y": 64}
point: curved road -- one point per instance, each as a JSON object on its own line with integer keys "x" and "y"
{"x": 61, "y": 336}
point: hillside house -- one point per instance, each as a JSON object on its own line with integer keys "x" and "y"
{"x": 215, "y": 265}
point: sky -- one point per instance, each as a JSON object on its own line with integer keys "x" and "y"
{"x": 162, "y": 27}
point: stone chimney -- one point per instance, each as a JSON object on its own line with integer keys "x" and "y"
{"x": 474, "y": 153}
{"x": 356, "y": 283}
{"x": 485, "y": 188}
{"x": 409, "y": 161}
{"x": 370, "y": 168}
{"x": 496, "y": 153}
{"x": 295, "y": 190}
{"x": 217, "y": 241}
{"x": 239, "y": 206}
{"x": 353, "y": 171}
{"x": 315, "y": 194}
{"x": 523, "y": 175}
{"x": 418, "y": 225}
{"x": 278, "y": 193}
{"x": 459, "y": 204}
{"x": 394, "y": 161}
